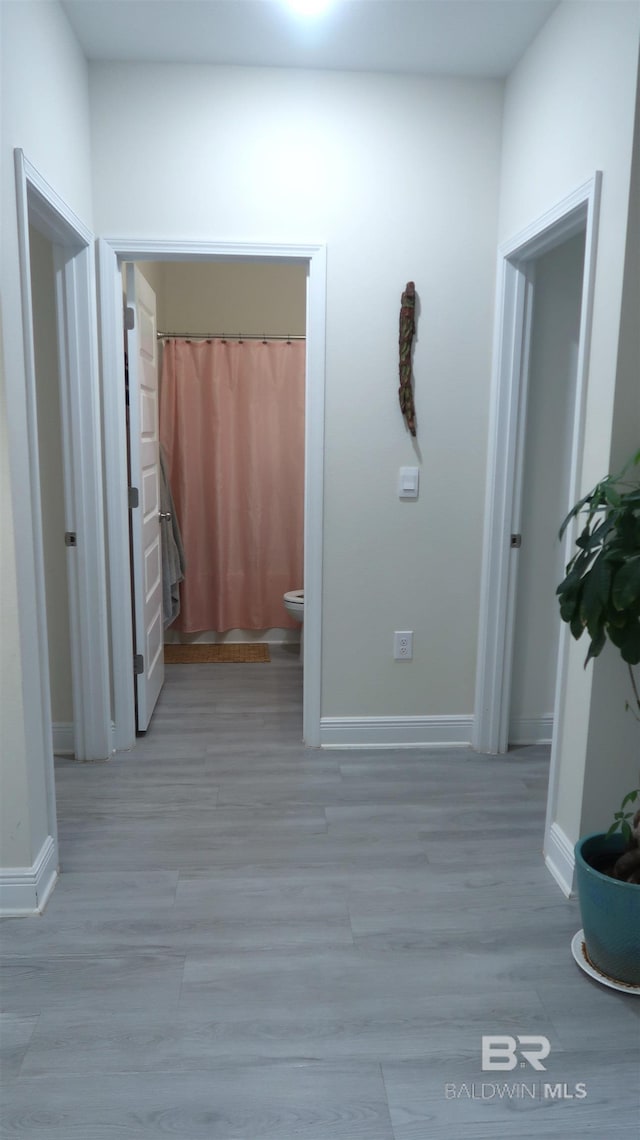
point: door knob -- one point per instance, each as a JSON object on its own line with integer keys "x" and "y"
{"x": 165, "y": 515}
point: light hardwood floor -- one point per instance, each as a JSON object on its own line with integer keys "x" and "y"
{"x": 254, "y": 941}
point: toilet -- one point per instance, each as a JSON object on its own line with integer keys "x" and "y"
{"x": 294, "y": 605}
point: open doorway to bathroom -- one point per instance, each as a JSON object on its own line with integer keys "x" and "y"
{"x": 235, "y": 335}
{"x": 112, "y": 253}
{"x": 230, "y": 361}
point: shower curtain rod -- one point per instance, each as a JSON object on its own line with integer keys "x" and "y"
{"x": 228, "y": 336}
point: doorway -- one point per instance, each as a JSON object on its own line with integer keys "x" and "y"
{"x": 111, "y": 257}
{"x": 219, "y": 383}
{"x": 575, "y": 217}
{"x": 551, "y": 392}
{"x": 52, "y": 491}
{"x": 69, "y": 249}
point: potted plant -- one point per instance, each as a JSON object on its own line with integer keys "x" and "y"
{"x": 601, "y": 594}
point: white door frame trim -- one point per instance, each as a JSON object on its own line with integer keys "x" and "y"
{"x": 112, "y": 252}
{"x": 73, "y": 247}
{"x": 515, "y": 275}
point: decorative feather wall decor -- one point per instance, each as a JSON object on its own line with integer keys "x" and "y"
{"x": 407, "y": 332}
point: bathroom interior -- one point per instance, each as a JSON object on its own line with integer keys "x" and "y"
{"x": 231, "y": 340}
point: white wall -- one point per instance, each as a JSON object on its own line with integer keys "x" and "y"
{"x": 552, "y": 380}
{"x": 626, "y": 419}
{"x": 569, "y": 110}
{"x": 232, "y": 297}
{"x": 51, "y": 475}
{"x": 44, "y": 107}
{"x": 400, "y": 177}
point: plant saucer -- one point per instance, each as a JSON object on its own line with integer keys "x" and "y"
{"x": 579, "y": 951}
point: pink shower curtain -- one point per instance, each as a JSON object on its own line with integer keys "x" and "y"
{"x": 232, "y": 427}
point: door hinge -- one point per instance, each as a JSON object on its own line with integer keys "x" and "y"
{"x": 129, "y": 318}
{"x": 138, "y": 664}
{"x": 516, "y": 541}
{"x": 134, "y": 497}
{"x": 70, "y": 538}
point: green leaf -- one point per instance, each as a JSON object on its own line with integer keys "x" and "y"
{"x": 601, "y": 588}
{"x": 576, "y": 626}
{"x": 576, "y": 568}
{"x": 626, "y": 584}
{"x": 602, "y": 530}
{"x": 616, "y": 621}
{"x": 630, "y": 798}
{"x": 569, "y": 606}
{"x": 598, "y": 641}
{"x": 626, "y": 638}
{"x": 630, "y": 648}
{"x": 595, "y": 594}
{"x": 589, "y": 540}
{"x": 611, "y": 495}
{"x": 627, "y": 528}
{"x": 573, "y": 512}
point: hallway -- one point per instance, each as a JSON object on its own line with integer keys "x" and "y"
{"x": 254, "y": 941}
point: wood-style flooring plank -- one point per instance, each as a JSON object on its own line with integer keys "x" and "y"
{"x": 15, "y": 1035}
{"x": 294, "y": 1101}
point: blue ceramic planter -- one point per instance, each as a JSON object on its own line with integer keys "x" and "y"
{"x": 610, "y": 911}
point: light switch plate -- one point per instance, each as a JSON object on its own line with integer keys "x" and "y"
{"x": 408, "y": 482}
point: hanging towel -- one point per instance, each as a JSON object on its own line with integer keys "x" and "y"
{"x": 173, "y": 565}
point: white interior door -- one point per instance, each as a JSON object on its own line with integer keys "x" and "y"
{"x": 144, "y": 453}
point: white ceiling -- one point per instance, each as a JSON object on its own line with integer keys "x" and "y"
{"x": 436, "y": 37}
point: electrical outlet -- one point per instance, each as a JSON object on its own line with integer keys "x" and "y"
{"x": 403, "y": 645}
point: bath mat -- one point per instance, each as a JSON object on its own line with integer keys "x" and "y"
{"x": 196, "y": 654}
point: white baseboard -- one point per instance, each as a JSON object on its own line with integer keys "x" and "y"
{"x": 531, "y": 730}
{"x": 560, "y": 859}
{"x": 26, "y": 890}
{"x": 63, "y": 739}
{"x": 395, "y": 731}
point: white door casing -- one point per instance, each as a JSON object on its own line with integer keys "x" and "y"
{"x": 112, "y": 252}
{"x": 114, "y": 418}
{"x": 144, "y": 450}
